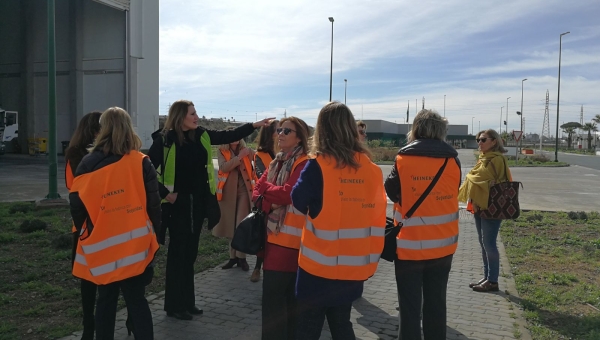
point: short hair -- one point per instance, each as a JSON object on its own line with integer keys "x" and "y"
{"x": 264, "y": 139}
{"x": 361, "y": 124}
{"x": 116, "y": 134}
{"x": 226, "y": 146}
{"x": 336, "y": 135}
{"x": 177, "y": 113}
{"x": 428, "y": 124}
{"x": 491, "y": 133}
{"x": 302, "y": 131}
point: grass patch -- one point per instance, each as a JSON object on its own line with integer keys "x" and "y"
{"x": 37, "y": 290}
{"x": 556, "y": 265}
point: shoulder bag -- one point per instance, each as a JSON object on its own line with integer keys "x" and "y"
{"x": 249, "y": 236}
{"x": 503, "y": 203}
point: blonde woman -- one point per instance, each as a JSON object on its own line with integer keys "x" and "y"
{"x": 234, "y": 193}
{"x": 115, "y": 195}
{"x": 491, "y": 167}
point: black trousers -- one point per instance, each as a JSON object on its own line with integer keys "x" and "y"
{"x": 137, "y": 306}
{"x": 184, "y": 222}
{"x": 88, "y": 294}
{"x": 427, "y": 279}
{"x": 279, "y": 314}
{"x": 311, "y": 319}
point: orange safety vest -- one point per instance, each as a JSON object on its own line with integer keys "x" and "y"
{"x": 344, "y": 242}
{"x": 122, "y": 242}
{"x": 69, "y": 183}
{"x": 291, "y": 231}
{"x": 432, "y": 231}
{"x": 222, "y": 176}
{"x": 266, "y": 160}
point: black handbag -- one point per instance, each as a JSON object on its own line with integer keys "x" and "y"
{"x": 391, "y": 230}
{"x": 249, "y": 236}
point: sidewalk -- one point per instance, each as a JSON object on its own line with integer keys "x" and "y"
{"x": 232, "y": 304}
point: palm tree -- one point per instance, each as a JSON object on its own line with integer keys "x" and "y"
{"x": 589, "y": 127}
{"x": 569, "y": 131}
{"x": 596, "y": 119}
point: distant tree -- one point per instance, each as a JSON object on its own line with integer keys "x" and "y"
{"x": 590, "y": 127}
{"x": 596, "y": 119}
{"x": 569, "y": 128}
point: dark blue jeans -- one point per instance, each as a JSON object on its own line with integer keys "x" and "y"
{"x": 487, "y": 230}
{"x": 311, "y": 319}
{"x": 137, "y": 306}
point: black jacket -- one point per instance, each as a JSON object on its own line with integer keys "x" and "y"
{"x": 97, "y": 160}
{"x": 191, "y": 176}
{"x": 420, "y": 147}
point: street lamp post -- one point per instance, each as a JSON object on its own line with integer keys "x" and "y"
{"x": 479, "y": 129}
{"x": 501, "y": 119}
{"x": 472, "y": 132}
{"x": 522, "y": 134}
{"x": 345, "y": 87}
{"x": 444, "y": 105}
{"x": 506, "y": 128}
{"x": 558, "y": 97}
{"x": 331, "y": 67}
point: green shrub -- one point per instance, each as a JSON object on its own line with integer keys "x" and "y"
{"x": 573, "y": 215}
{"x": 63, "y": 241}
{"x": 29, "y": 226}
{"x": 20, "y": 207}
{"x": 582, "y": 215}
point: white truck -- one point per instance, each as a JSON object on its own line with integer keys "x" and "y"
{"x": 9, "y": 129}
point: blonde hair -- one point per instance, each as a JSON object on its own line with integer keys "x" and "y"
{"x": 177, "y": 113}
{"x": 491, "y": 133}
{"x": 116, "y": 134}
{"x": 336, "y": 135}
{"x": 226, "y": 146}
{"x": 428, "y": 124}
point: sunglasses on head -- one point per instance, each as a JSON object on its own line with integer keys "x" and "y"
{"x": 483, "y": 140}
{"x": 286, "y": 131}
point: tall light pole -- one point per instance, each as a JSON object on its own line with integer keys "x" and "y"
{"x": 522, "y": 134}
{"x": 558, "y": 98}
{"x": 506, "y": 128}
{"x": 501, "y": 119}
{"x": 479, "y": 129}
{"x": 345, "y": 87}
{"x": 331, "y": 67}
{"x": 444, "y": 105}
{"x": 472, "y": 132}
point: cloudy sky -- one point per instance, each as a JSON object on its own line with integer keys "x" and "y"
{"x": 255, "y": 59}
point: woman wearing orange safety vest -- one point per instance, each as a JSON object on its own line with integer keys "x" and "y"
{"x": 429, "y": 237}
{"x": 234, "y": 193}
{"x": 82, "y": 138}
{"x": 284, "y": 227}
{"x": 341, "y": 193}
{"x": 265, "y": 152}
{"x": 116, "y": 209}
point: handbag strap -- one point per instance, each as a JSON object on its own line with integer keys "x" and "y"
{"x": 496, "y": 177}
{"x": 412, "y": 210}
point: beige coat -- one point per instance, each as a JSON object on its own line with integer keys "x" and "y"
{"x": 233, "y": 209}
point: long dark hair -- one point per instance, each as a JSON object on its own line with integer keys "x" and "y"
{"x": 84, "y": 135}
{"x": 177, "y": 113}
{"x": 265, "y": 140}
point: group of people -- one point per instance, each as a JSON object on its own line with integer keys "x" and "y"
{"x": 325, "y": 207}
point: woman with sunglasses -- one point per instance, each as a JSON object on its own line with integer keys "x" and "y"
{"x": 362, "y": 130}
{"x": 475, "y": 190}
{"x": 284, "y": 227}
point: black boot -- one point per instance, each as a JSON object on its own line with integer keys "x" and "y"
{"x": 231, "y": 263}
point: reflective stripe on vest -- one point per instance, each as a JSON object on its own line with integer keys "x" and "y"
{"x": 428, "y": 220}
{"x": 112, "y": 266}
{"x": 426, "y": 244}
{"x": 334, "y": 235}
{"x": 118, "y": 239}
{"x": 341, "y": 260}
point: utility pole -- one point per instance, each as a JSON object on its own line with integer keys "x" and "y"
{"x": 546, "y": 124}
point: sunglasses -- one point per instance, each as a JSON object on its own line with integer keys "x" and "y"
{"x": 483, "y": 140}
{"x": 362, "y": 132}
{"x": 286, "y": 131}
